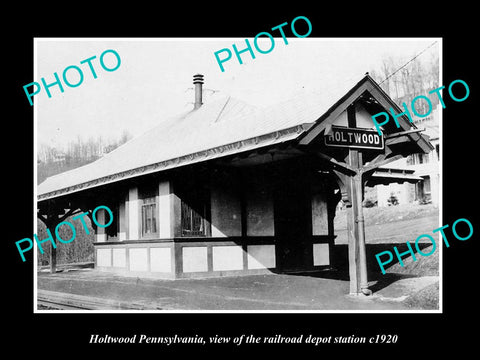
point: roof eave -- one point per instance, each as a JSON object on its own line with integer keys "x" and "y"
{"x": 256, "y": 142}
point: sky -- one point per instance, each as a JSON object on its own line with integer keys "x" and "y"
{"x": 154, "y": 79}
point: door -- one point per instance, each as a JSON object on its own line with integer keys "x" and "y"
{"x": 293, "y": 219}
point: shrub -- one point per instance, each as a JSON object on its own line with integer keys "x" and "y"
{"x": 392, "y": 200}
{"x": 368, "y": 203}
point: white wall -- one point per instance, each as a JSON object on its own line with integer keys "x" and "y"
{"x": 165, "y": 208}
{"x": 319, "y": 214}
{"x": 363, "y": 117}
{"x": 133, "y": 214}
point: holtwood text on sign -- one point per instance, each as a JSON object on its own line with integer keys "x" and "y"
{"x": 354, "y": 138}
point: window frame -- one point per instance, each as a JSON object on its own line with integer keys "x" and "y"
{"x": 193, "y": 193}
{"x": 113, "y": 231}
{"x": 185, "y": 207}
{"x": 148, "y": 197}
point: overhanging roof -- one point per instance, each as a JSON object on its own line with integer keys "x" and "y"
{"x": 221, "y": 127}
{"x": 387, "y": 176}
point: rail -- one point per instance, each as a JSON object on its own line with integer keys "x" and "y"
{"x": 67, "y": 301}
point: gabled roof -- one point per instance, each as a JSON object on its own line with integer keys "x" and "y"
{"x": 221, "y": 127}
{"x": 368, "y": 85}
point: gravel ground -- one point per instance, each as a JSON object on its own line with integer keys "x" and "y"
{"x": 314, "y": 291}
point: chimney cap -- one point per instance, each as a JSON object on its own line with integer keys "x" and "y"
{"x": 198, "y": 79}
{"x": 198, "y": 82}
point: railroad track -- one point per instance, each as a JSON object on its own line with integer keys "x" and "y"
{"x": 66, "y": 301}
{"x": 56, "y": 305}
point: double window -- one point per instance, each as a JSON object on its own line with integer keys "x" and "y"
{"x": 194, "y": 207}
{"x": 416, "y": 159}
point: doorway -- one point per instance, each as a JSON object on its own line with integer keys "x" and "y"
{"x": 293, "y": 223}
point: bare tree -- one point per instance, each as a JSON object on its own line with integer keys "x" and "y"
{"x": 404, "y": 80}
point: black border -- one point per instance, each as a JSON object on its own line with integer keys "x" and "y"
{"x": 67, "y": 334}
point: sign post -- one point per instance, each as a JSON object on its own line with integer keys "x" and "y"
{"x": 355, "y": 140}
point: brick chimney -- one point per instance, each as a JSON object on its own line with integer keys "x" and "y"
{"x": 198, "y": 82}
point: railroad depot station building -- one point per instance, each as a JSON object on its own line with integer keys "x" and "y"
{"x": 229, "y": 188}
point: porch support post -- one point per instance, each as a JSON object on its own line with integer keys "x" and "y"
{"x": 51, "y": 220}
{"x": 53, "y": 259}
{"x": 356, "y": 235}
{"x": 352, "y": 193}
{"x": 353, "y": 250}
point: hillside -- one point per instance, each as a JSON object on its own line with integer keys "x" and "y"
{"x": 391, "y": 224}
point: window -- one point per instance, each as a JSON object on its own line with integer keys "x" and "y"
{"x": 193, "y": 220}
{"x": 426, "y": 184}
{"x": 195, "y": 202}
{"x": 410, "y": 160}
{"x": 149, "y": 216}
{"x": 416, "y": 159}
{"x": 426, "y": 158}
{"x": 193, "y": 209}
{"x": 148, "y": 195}
{"x": 420, "y": 158}
{"x": 423, "y": 190}
{"x": 114, "y": 228}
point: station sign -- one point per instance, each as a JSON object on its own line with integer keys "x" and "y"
{"x": 346, "y": 137}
